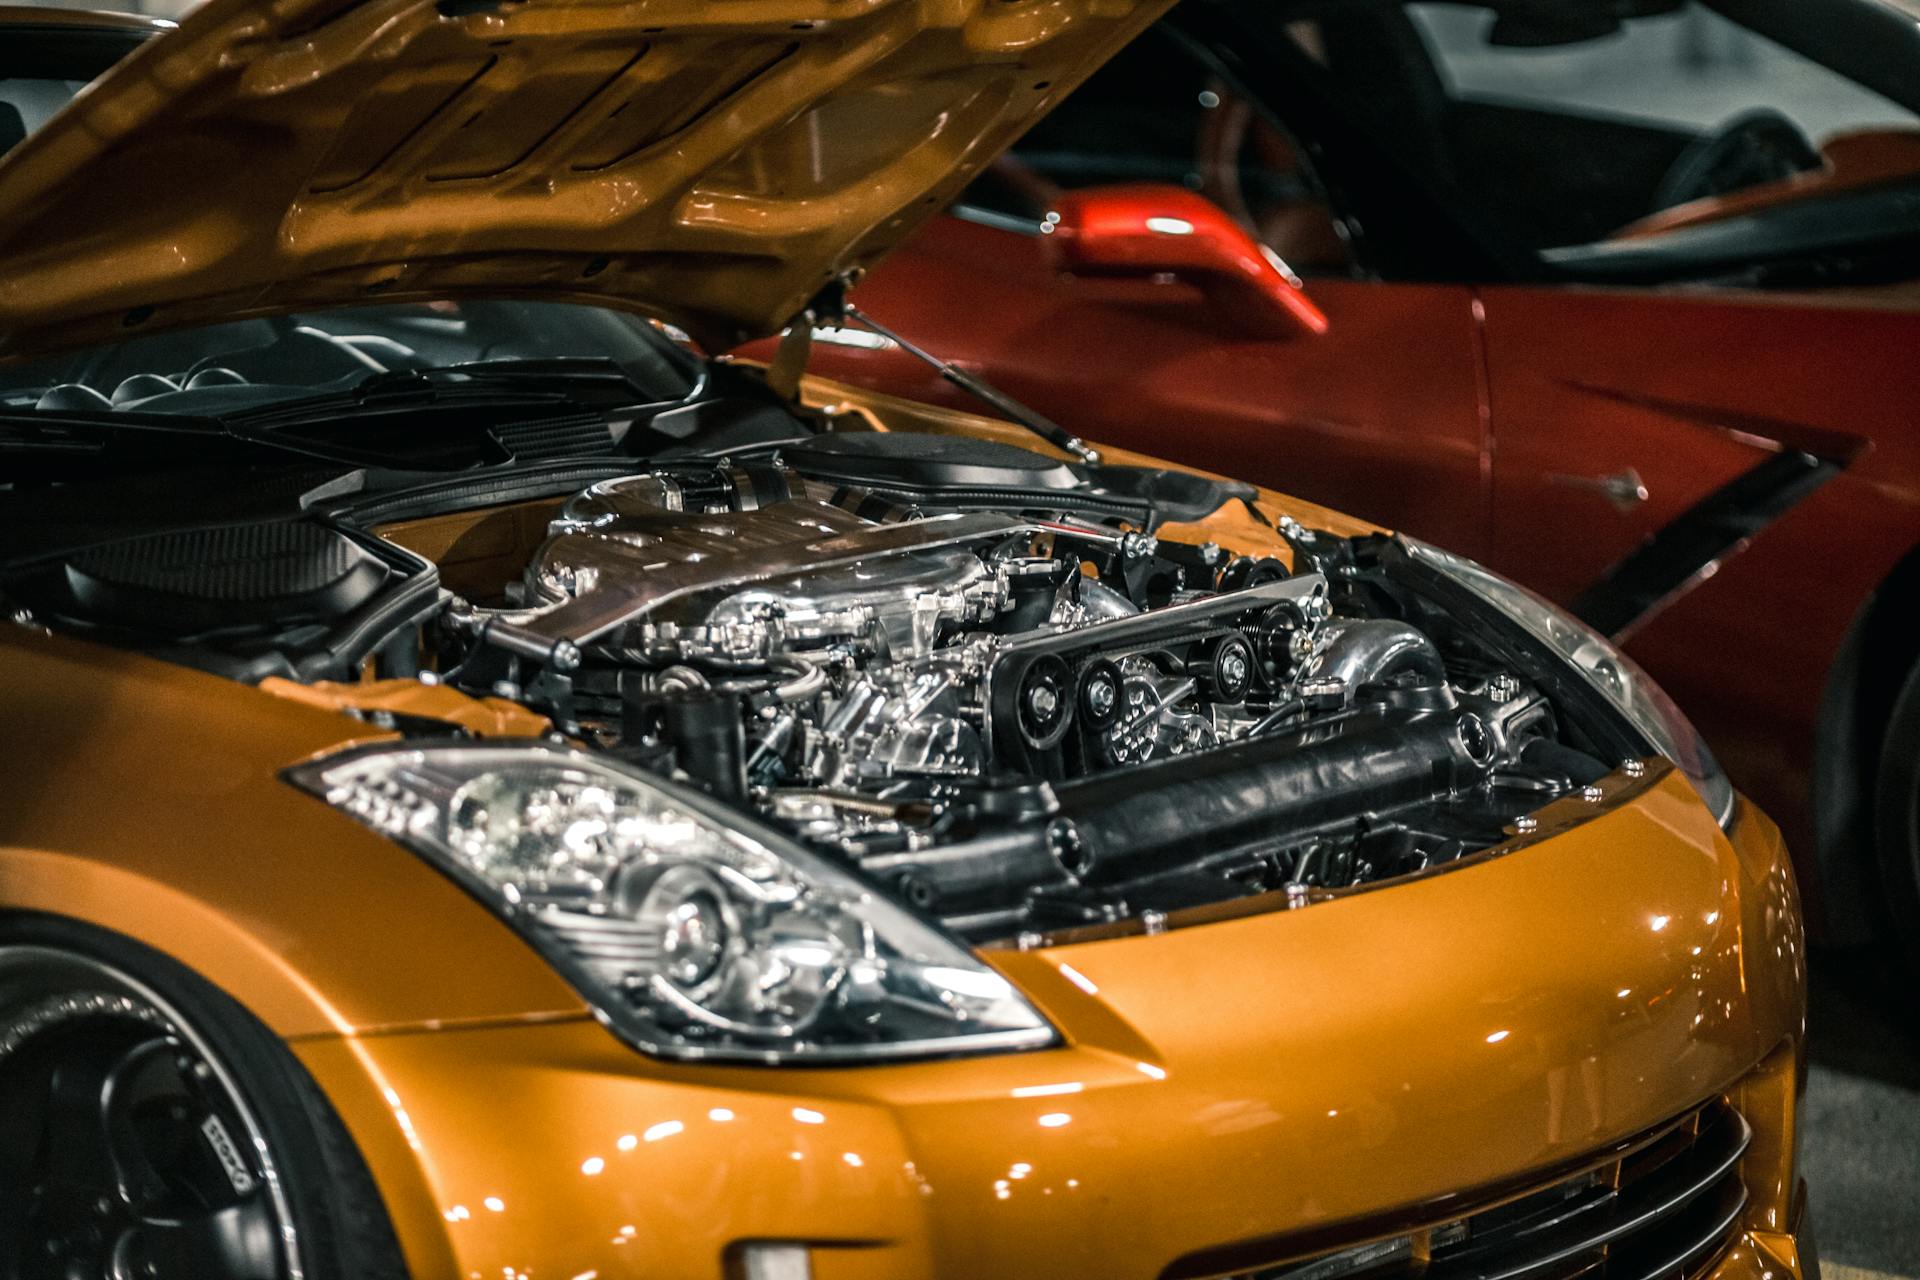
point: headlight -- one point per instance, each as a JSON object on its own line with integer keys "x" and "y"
{"x": 1644, "y": 704}
{"x": 694, "y": 932}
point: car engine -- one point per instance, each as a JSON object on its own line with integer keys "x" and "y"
{"x": 1018, "y": 719}
{"x": 1008, "y": 689}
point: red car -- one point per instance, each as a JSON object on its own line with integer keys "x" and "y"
{"x": 1575, "y": 302}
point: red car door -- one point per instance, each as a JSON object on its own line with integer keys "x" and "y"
{"x": 1598, "y": 449}
{"x": 1380, "y": 416}
{"x": 1773, "y": 440}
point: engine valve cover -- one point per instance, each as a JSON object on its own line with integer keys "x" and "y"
{"x": 627, "y": 563}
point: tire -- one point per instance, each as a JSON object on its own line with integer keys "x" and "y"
{"x": 150, "y": 1127}
{"x": 1897, "y": 826}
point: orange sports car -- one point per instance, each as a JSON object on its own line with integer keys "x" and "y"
{"x": 492, "y": 792}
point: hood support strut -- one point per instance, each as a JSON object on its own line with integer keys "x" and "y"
{"x": 980, "y": 389}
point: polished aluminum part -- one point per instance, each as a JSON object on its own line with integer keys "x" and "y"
{"x": 1159, "y": 716}
{"x": 1362, "y": 651}
{"x": 887, "y": 646}
{"x": 896, "y": 722}
{"x": 627, "y": 564}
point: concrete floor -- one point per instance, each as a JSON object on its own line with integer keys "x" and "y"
{"x": 1861, "y": 1152}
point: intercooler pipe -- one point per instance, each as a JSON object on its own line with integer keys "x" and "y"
{"x": 1160, "y": 817}
{"x": 1102, "y": 602}
{"x": 1364, "y": 651}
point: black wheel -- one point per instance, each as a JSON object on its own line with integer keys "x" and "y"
{"x": 1897, "y": 825}
{"x": 151, "y": 1129}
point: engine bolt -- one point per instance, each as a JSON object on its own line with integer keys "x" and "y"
{"x": 1101, "y": 695}
{"x": 1068, "y": 849}
{"x": 1503, "y": 688}
{"x": 1043, "y": 701}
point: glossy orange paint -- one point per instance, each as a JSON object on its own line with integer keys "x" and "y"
{"x": 484, "y": 717}
{"x": 1351, "y": 1068}
{"x": 475, "y": 551}
{"x": 1268, "y": 1084}
{"x": 714, "y": 164}
{"x": 145, "y": 798}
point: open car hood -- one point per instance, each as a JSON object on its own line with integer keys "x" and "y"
{"x": 713, "y": 163}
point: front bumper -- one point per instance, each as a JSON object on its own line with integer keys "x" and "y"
{"x": 1233, "y": 1097}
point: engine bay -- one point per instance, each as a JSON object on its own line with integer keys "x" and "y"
{"x": 1022, "y": 696}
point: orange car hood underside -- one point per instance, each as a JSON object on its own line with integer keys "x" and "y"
{"x": 713, "y": 163}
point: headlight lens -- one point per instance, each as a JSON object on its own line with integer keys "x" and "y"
{"x": 696, "y": 934}
{"x": 1608, "y": 670}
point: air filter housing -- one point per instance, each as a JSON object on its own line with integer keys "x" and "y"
{"x": 227, "y": 578}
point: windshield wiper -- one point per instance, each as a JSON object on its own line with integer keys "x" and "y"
{"x": 523, "y": 397}
{"x": 389, "y": 390}
{"x": 558, "y": 369}
{"x": 57, "y": 434}
{"x": 552, "y": 383}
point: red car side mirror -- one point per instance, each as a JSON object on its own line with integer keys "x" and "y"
{"x": 1152, "y": 229}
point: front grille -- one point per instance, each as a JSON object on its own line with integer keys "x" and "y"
{"x": 1663, "y": 1211}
